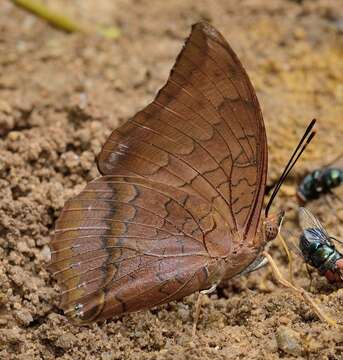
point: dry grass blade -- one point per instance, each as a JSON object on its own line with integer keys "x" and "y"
{"x": 299, "y": 291}
{"x": 62, "y": 21}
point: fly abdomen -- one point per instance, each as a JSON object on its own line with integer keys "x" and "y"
{"x": 330, "y": 262}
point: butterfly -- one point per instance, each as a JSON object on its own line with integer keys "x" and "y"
{"x": 178, "y": 205}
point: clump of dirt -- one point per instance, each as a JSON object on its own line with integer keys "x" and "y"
{"x": 60, "y": 97}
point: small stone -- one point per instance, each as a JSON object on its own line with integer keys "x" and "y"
{"x": 284, "y": 320}
{"x": 107, "y": 356}
{"x": 66, "y": 341}
{"x": 22, "y": 247}
{"x": 87, "y": 160}
{"x": 14, "y": 136}
{"x": 45, "y": 253}
{"x": 289, "y": 341}
{"x": 10, "y": 336}
{"x": 71, "y": 159}
{"x": 184, "y": 313}
{"x": 271, "y": 346}
{"x": 23, "y": 316}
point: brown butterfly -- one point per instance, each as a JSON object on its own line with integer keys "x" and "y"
{"x": 178, "y": 206}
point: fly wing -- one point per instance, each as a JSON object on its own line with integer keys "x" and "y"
{"x": 312, "y": 227}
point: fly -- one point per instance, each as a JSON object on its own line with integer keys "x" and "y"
{"x": 317, "y": 247}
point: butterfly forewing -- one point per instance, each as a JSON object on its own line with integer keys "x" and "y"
{"x": 183, "y": 186}
{"x": 203, "y": 133}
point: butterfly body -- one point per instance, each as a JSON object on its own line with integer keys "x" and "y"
{"x": 178, "y": 206}
{"x": 319, "y": 182}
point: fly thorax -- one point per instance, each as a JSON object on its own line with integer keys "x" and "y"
{"x": 331, "y": 257}
{"x": 319, "y": 256}
{"x": 332, "y": 178}
{"x": 308, "y": 248}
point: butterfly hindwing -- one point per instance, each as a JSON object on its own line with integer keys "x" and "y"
{"x": 123, "y": 237}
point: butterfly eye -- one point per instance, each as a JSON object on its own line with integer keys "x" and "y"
{"x": 271, "y": 231}
{"x": 272, "y": 226}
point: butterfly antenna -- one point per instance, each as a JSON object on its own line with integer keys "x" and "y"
{"x": 305, "y": 140}
{"x": 294, "y": 161}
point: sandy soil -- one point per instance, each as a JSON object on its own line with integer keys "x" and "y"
{"x": 60, "y": 97}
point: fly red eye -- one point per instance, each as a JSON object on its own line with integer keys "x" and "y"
{"x": 333, "y": 277}
{"x": 339, "y": 264}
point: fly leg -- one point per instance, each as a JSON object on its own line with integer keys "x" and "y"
{"x": 330, "y": 197}
{"x": 335, "y": 196}
{"x": 328, "y": 200}
{"x": 310, "y": 276}
{"x": 299, "y": 291}
{"x": 198, "y": 306}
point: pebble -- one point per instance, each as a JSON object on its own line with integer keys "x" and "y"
{"x": 184, "y": 313}
{"x": 23, "y": 316}
{"x": 45, "y": 253}
{"x": 71, "y": 159}
{"x": 10, "y": 336}
{"x": 66, "y": 341}
{"x": 289, "y": 341}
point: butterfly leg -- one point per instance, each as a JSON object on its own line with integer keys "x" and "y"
{"x": 299, "y": 291}
{"x": 198, "y": 306}
{"x": 259, "y": 263}
{"x": 290, "y": 260}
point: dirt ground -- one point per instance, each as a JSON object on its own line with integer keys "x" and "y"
{"x": 60, "y": 97}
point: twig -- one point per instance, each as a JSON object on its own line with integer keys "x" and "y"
{"x": 61, "y": 21}
{"x": 299, "y": 291}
